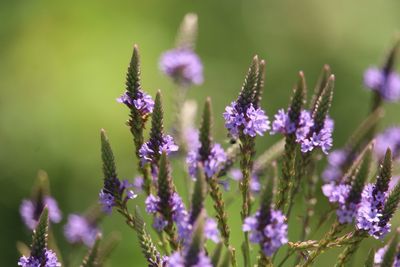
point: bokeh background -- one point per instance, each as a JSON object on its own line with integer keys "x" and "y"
{"x": 63, "y": 63}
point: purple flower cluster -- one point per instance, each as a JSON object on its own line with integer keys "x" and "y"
{"x": 108, "y": 200}
{"x": 282, "y": 124}
{"x": 304, "y": 131}
{"x": 271, "y": 235}
{"x": 347, "y": 211}
{"x": 183, "y": 65}
{"x": 178, "y": 260}
{"x": 390, "y": 138}
{"x": 322, "y": 139}
{"x": 370, "y": 212}
{"x": 147, "y": 153}
{"x": 213, "y": 163}
{"x": 80, "y": 230}
{"x": 179, "y": 213}
{"x": 252, "y": 121}
{"x": 30, "y": 211}
{"x": 336, "y": 161}
{"x": 386, "y": 84}
{"x": 50, "y": 260}
{"x": 181, "y": 218}
{"x": 141, "y": 101}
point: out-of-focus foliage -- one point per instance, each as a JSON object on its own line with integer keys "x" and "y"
{"x": 62, "y": 65}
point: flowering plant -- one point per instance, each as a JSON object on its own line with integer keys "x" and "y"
{"x": 269, "y": 182}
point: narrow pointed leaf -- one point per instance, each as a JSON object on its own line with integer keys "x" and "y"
{"x": 205, "y": 131}
{"x": 390, "y": 254}
{"x": 199, "y": 194}
{"x": 370, "y": 259}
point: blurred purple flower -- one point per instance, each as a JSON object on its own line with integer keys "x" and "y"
{"x": 271, "y": 234}
{"x": 182, "y": 65}
{"x": 31, "y": 210}
{"x": 386, "y": 84}
{"x": 390, "y": 138}
{"x": 79, "y": 230}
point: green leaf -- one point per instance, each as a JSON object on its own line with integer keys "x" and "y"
{"x": 199, "y": 194}
{"x": 226, "y": 262}
{"x": 40, "y": 236}
{"x": 370, "y": 259}
{"x": 390, "y": 61}
{"x": 165, "y": 186}
{"x": 205, "y": 131}
{"x": 197, "y": 241}
{"x": 216, "y": 256}
{"x": 390, "y": 254}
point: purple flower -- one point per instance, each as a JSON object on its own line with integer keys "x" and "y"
{"x": 339, "y": 194}
{"x": 379, "y": 254}
{"x": 282, "y": 123}
{"x": 213, "y": 163}
{"x": 50, "y": 260}
{"x": 107, "y": 201}
{"x": 386, "y": 84}
{"x": 178, "y": 260}
{"x": 30, "y": 211}
{"x": 251, "y": 121}
{"x": 336, "y": 161}
{"x": 390, "y": 138}
{"x": 182, "y": 65}
{"x": 211, "y": 231}
{"x": 179, "y": 213}
{"x": 369, "y": 213}
{"x": 138, "y": 183}
{"x": 304, "y": 130}
{"x": 191, "y": 136}
{"x": 147, "y": 153}
{"x": 322, "y": 139}
{"x": 141, "y": 101}
{"x": 270, "y": 234}
{"x": 79, "y": 230}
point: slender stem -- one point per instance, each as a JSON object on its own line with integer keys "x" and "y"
{"x": 247, "y": 149}
{"x": 324, "y": 242}
{"x": 222, "y": 216}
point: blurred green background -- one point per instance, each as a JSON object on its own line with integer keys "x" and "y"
{"x": 63, "y": 63}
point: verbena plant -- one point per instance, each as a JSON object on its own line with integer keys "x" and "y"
{"x": 358, "y": 180}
